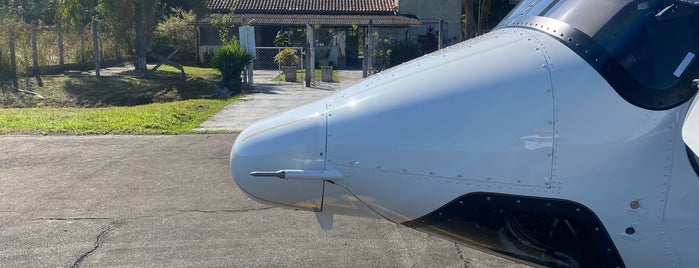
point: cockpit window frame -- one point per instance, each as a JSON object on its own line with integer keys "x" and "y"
{"x": 608, "y": 66}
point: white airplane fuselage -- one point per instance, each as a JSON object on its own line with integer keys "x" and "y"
{"x": 510, "y": 143}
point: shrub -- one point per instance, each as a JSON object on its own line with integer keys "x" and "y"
{"x": 208, "y": 55}
{"x": 287, "y": 57}
{"x": 431, "y": 43}
{"x": 390, "y": 53}
{"x": 230, "y": 60}
{"x": 282, "y": 39}
{"x": 402, "y": 52}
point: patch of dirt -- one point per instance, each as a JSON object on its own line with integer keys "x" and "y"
{"x": 119, "y": 90}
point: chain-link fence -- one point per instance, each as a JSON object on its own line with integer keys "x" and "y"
{"x": 265, "y": 57}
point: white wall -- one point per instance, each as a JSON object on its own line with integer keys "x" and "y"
{"x": 430, "y": 12}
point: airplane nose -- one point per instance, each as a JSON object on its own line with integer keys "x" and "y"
{"x": 268, "y": 150}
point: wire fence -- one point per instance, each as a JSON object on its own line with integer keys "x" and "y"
{"x": 51, "y": 48}
{"x": 265, "y": 58}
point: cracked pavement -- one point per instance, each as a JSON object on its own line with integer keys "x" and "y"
{"x": 145, "y": 201}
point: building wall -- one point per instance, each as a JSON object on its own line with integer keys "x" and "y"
{"x": 430, "y": 13}
{"x": 394, "y": 33}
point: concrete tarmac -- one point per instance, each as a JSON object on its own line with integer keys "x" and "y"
{"x": 169, "y": 201}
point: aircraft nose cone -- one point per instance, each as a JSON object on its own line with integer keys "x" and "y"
{"x": 294, "y": 140}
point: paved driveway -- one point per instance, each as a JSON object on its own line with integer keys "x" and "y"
{"x": 272, "y": 97}
{"x": 169, "y": 201}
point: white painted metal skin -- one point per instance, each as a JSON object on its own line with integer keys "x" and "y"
{"x": 431, "y": 140}
{"x": 514, "y": 112}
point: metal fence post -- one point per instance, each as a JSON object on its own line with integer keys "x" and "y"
{"x": 440, "y": 42}
{"x": 370, "y": 63}
{"x": 59, "y": 29}
{"x": 13, "y": 56}
{"x": 96, "y": 48}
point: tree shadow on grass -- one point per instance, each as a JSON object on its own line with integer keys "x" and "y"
{"x": 131, "y": 91}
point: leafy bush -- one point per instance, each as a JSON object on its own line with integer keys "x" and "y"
{"x": 390, "y": 53}
{"x": 230, "y": 60}
{"x": 287, "y": 57}
{"x": 431, "y": 43}
{"x": 402, "y": 52}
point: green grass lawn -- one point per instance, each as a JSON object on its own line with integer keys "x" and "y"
{"x": 188, "y": 70}
{"x": 112, "y": 105}
{"x": 157, "y": 118}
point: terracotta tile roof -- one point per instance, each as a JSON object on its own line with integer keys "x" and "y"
{"x": 321, "y": 12}
{"x": 306, "y": 6}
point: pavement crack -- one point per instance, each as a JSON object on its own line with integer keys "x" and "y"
{"x": 460, "y": 253}
{"x": 73, "y": 219}
{"x": 98, "y": 243}
{"x": 225, "y": 210}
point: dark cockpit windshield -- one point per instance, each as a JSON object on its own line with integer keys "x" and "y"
{"x": 647, "y": 50}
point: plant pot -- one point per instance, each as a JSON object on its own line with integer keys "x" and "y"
{"x": 289, "y": 73}
{"x": 326, "y": 73}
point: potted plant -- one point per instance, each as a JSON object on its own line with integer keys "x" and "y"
{"x": 289, "y": 60}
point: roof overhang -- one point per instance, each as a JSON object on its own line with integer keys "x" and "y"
{"x": 326, "y": 20}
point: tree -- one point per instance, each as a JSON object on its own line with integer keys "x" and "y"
{"x": 483, "y": 13}
{"x": 76, "y": 13}
{"x": 497, "y": 11}
{"x": 30, "y": 10}
{"x": 132, "y": 22}
{"x": 197, "y": 6}
{"x": 174, "y": 31}
{"x": 140, "y": 37}
{"x": 224, "y": 24}
{"x": 479, "y": 16}
{"x": 469, "y": 29}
